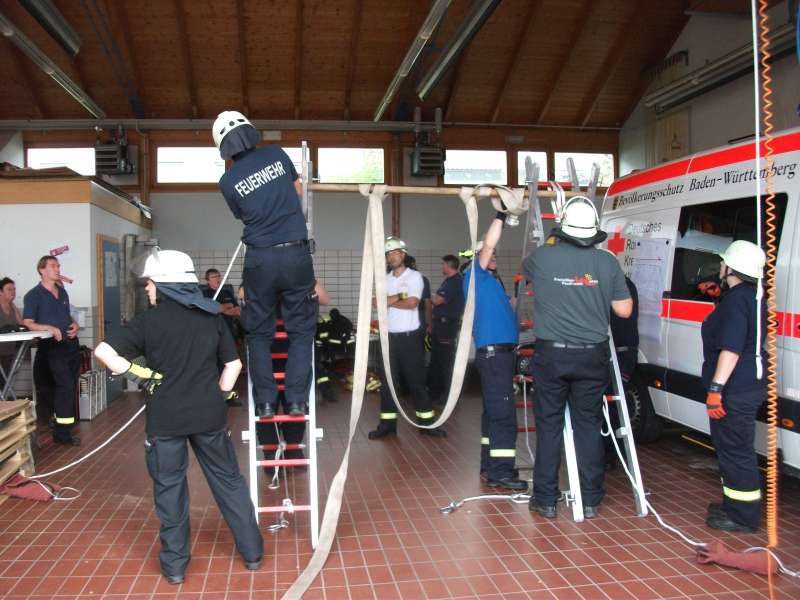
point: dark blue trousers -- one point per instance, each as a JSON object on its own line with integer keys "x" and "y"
{"x": 55, "y": 372}
{"x": 167, "y": 461}
{"x": 499, "y": 418}
{"x": 578, "y": 377}
{"x": 734, "y": 436}
{"x": 269, "y": 274}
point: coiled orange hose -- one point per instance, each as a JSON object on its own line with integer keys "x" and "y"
{"x": 771, "y": 342}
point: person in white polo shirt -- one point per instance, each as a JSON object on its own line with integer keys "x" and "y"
{"x": 406, "y": 352}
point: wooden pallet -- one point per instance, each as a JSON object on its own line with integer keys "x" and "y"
{"x": 17, "y": 423}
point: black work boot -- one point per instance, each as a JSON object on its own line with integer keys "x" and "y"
{"x": 265, "y": 410}
{"x": 297, "y": 409}
{"x": 547, "y": 511}
{"x": 510, "y": 483}
{"x": 384, "y": 428}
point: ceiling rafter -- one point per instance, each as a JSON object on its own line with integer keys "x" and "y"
{"x": 25, "y": 77}
{"x": 127, "y": 39}
{"x": 183, "y": 42}
{"x": 351, "y": 58}
{"x": 298, "y": 59}
{"x": 243, "y": 56}
{"x": 455, "y": 80}
{"x": 583, "y": 24}
{"x": 534, "y": 7}
{"x": 628, "y": 30}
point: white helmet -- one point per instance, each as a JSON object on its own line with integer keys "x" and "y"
{"x": 169, "y": 266}
{"x": 746, "y": 258}
{"x": 226, "y": 122}
{"x": 393, "y": 243}
{"x": 579, "y": 218}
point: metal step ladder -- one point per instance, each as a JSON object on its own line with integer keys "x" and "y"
{"x": 535, "y": 234}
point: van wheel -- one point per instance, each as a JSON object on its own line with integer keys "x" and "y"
{"x": 645, "y": 423}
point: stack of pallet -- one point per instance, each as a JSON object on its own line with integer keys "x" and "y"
{"x": 17, "y": 424}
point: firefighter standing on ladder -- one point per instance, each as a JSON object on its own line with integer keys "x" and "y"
{"x": 574, "y": 284}
{"x": 734, "y": 392}
{"x": 496, "y": 336}
{"x": 262, "y": 189}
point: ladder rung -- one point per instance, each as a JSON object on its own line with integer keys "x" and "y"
{"x": 281, "y": 387}
{"x": 526, "y": 324}
{"x": 529, "y": 293}
{"x": 280, "y": 355}
{"x": 287, "y": 447}
{"x": 524, "y": 404}
{"x": 521, "y": 378}
{"x": 284, "y": 462}
{"x": 282, "y": 419}
{"x": 611, "y": 398}
{"x": 548, "y": 216}
{"x": 526, "y": 429}
{"x": 278, "y": 322}
{"x": 281, "y": 335}
{"x": 280, "y": 509}
{"x": 525, "y": 352}
{"x": 279, "y": 376}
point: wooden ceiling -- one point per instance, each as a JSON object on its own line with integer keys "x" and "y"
{"x": 547, "y": 62}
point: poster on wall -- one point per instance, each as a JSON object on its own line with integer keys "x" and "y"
{"x": 110, "y": 269}
{"x": 648, "y": 272}
{"x": 65, "y": 258}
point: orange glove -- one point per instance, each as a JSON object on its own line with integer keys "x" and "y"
{"x": 714, "y": 401}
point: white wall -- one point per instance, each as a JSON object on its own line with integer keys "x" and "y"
{"x": 11, "y": 148}
{"x": 722, "y": 114}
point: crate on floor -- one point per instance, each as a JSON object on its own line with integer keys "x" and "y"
{"x": 17, "y": 423}
{"x": 92, "y": 394}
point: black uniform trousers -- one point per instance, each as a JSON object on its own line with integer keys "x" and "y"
{"x": 292, "y": 433}
{"x": 288, "y": 272}
{"x": 407, "y": 361}
{"x": 499, "y": 418}
{"x": 443, "y": 353}
{"x": 734, "y": 436}
{"x": 55, "y": 373}
{"x": 167, "y": 460}
{"x": 578, "y": 376}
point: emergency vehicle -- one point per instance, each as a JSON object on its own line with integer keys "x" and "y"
{"x": 667, "y": 226}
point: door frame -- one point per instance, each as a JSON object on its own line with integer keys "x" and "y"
{"x": 99, "y": 283}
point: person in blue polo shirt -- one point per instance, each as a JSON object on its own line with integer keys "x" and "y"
{"x": 55, "y": 369}
{"x": 496, "y": 336}
{"x": 262, "y": 190}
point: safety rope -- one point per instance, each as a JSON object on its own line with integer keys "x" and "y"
{"x": 772, "y": 380}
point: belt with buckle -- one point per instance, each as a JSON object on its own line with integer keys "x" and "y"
{"x": 405, "y": 333}
{"x": 495, "y": 348}
{"x": 569, "y": 346}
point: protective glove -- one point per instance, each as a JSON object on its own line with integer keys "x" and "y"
{"x": 502, "y": 216}
{"x": 714, "y": 406}
{"x": 145, "y": 377}
{"x": 230, "y": 396}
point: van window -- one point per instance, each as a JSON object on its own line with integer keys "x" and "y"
{"x": 704, "y": 231}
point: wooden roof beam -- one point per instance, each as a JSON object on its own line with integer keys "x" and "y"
{"x": 183, "y": 42}
{"x": 455, "y": 80}
{"x": 628, "y": 30}
{"x": 351, "y": 59}
{"x": 243, "y": 56}
{"x": 298, "y": 59}
{"x": 25, "y": 77}
{"x": 577, "y": 32}
{"x": 127, "y": 40}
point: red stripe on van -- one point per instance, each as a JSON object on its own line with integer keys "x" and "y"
{"x": 670, "y": 171}
{"x": 780, "y": 145}
{"x": 685, "y": 310}
{"x": 796, "y": 325}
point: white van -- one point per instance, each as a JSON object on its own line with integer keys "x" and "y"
{"x": 666, "y": 225}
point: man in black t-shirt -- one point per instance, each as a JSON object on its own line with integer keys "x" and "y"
{"x": 262, "y": 189}
{"x": 182, "y": 338}
{"x": 448, "y": 306}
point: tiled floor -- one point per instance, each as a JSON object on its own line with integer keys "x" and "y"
{"x": 392, "y": 541}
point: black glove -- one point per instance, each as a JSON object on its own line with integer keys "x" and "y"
{"x": 501, "y": 215}
{"x": 145, "y": 377}
{"x": 230, "y": 396}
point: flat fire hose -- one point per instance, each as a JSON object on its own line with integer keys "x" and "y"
{"x": 372, "y": 271}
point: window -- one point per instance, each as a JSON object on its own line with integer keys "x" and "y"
{"x": 80, "y": 160}
{"x": 705, "y": 230}
{"x": 473, "y": 167}
{"x": 296, "y": 156}
{"x": 583, "y": 165}
{"x": 538, "y": 158}
{"x": 350, "y": 165}
{"x": 192, "y": 164}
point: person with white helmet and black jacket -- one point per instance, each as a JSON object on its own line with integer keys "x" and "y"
{"x": 182, "y": 337}
{"x": 574, "y": 285}
{"x": 731, "y": 351}
{"x": 406, "y": 353}
{"x": 262, "y": 190}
